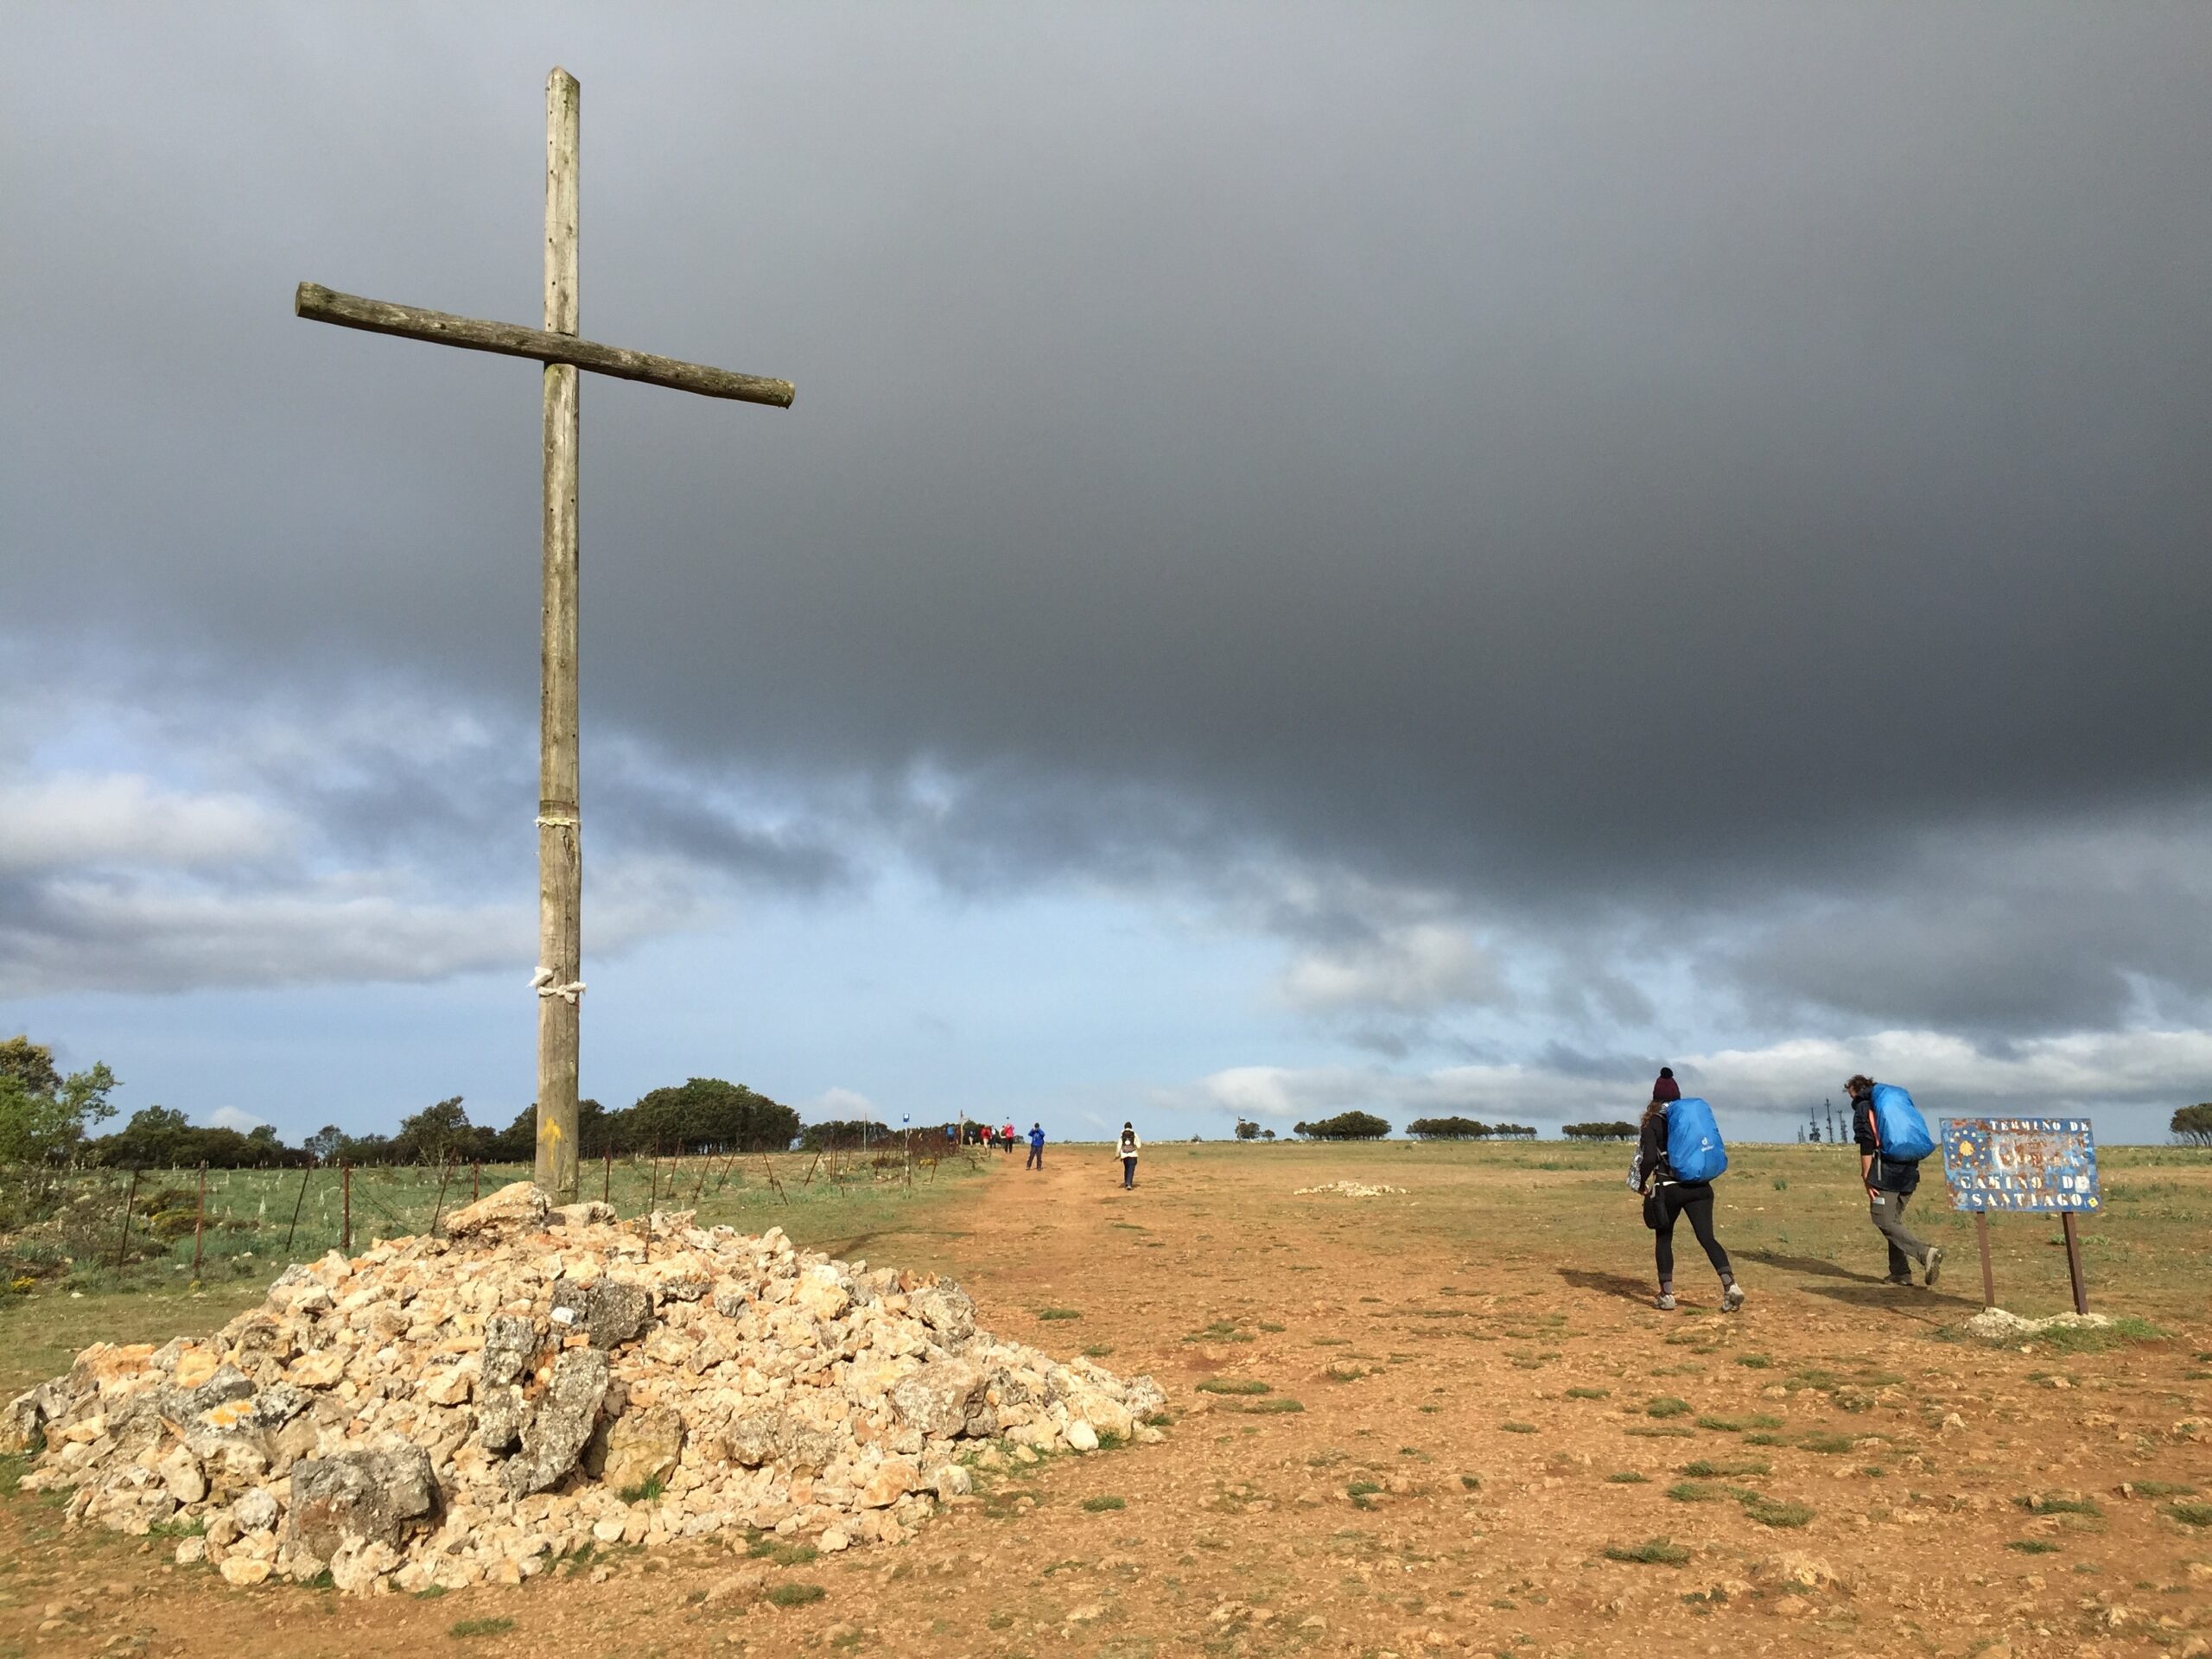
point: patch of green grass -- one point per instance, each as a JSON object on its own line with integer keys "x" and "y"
{"x": 777, "y": 1552}
{"x": 1764, "y": 1439}
{"x": 1588, "y": 1394}
{"x": 1099, "y": 1505}
{"x": 1057, "y": 1314}
{"x": 1272, "y": 1330}
{"x": 483, "y": 1627}
{"x": 1471, "y": 1483}
{"x": 645, "y": 1491}
{"x": 1666, "y": 1405}
{"x": 1733, "y": 1468}
{"x": 2051, "y": 1504}
{"x": 2033, "y": 1547}
{"x": 1652, "y": 1552}
{"x": 1518, "y": 1428}
{"x": 1628, "y": 1477}
{"x": 1234, "y": 1385}
{"x": 795, "y": 1594}
{"x": 2162, "y": 1489}
{"x": 1661, "y": 1432}
{"x": 197, "y": 1527}
{"x": 1721, "y": 1425}
{"x": 1277, "y": 1405}
{"x": 1755, "y": 1362}
{"x": 1691, "y": 1491}
{"x": 1097, "y": 1350}
{"x": 429, "y": 1593}
{"x": 2191, "y": 1515}
{"x": 1362, "y": 1488}
{"x": 1219, "y": 1331}
{"x": 1826, "y": 1445}
{"x": 1775, "y": 1511}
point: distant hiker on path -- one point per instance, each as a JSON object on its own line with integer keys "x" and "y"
{"x": 1666, "y": 1089}
{"x": 1006, "y": 1137}
{"x": 1036, "y": 1147}
{"x": 1667, "y": 1200}
{"x": 1130, "y": 1146}
{"x": 1891, "y": 1180}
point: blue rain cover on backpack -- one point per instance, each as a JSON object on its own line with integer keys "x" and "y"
{"x": 1694, "y": 1148}
{"x": 1899, "y": 1127}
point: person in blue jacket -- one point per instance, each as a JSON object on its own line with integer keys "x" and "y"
{"x": 1036, "y": 1147}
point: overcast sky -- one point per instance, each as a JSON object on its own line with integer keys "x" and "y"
{"x": 1423, "y": 558}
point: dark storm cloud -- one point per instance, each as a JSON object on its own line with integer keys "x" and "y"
{"x": 1615, "y": 468}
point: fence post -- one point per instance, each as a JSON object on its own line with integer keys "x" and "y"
{"x": 124, "y": 1243}
{"x": 200, "y": 1221}
{"x": 475, "y": 1180}
{"x": 345, "y": 1182}
{"x": 296, "y": 1203}
{"x": 607, "y": 1176}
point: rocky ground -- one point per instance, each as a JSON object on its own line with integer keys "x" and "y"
{"x": 476, "y": 1407}
{"x": 1437, "y": 1421}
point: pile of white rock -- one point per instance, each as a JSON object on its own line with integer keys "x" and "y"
{"x": 1348, "y": 1190}
{"x": 471, "y": 1408}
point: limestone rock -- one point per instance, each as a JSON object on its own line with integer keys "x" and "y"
{"x": 359, "y": 1495}
{"x": 642, "y": 1447}
{"x": 519, "y": 1207}
{"x": 563, "y": 1422}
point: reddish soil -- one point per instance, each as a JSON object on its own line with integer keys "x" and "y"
{"x": 1477, "y": 1399}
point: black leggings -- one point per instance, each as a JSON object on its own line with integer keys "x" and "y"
{"x": 1694, "y": 1200}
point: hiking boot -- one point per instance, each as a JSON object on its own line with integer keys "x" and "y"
{"x": 1732, "y": 1299}
{"x": 1664, "y": 1302}
{"x": 1906, "y": 1281}
{"x": 1933, "y": 1266}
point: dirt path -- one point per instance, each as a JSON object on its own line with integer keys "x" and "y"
{"x": 1466, "y": 1405}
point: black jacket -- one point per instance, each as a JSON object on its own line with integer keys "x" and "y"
{"x": 1889, "y": 1174}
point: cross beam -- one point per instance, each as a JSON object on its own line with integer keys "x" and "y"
{"x": 558, "y": 982}
{"x": 319, "y": 304}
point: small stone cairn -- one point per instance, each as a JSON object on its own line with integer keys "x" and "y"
{"x": 469, "y": 1408}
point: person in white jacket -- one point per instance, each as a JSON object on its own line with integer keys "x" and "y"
{"x": 1130, "y": 1146}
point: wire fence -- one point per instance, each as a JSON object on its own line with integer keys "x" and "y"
{"x": 82, "y": 1229}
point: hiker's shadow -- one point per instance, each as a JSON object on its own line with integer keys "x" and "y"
{"x": 1607, "y": 1284}
{"x": 1911, "y": 1301}
{"x": 1812, "y": 1264}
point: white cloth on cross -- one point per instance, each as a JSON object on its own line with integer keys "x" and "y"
{"x": 542, "y": 983}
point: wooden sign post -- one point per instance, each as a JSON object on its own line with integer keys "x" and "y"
{"x": 559, "y": 981}
{"x": 2037, "y": 1165}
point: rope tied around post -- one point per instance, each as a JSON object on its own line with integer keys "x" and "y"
{"x": 542, "y": 983}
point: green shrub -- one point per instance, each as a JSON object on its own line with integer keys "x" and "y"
{"x": 1652, "y": 1552}
{"x": 1666, "y": 1405}
{"x": 1234, "y": 1385}
{"x": 1775, "y": 1511}
{"x": 1099, "y": 1505}
{"x": 796, "y": 1594}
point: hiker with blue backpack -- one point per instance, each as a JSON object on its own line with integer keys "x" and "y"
{"x": 1892, "y": 1139}
{"x": 1677, "y": 1155}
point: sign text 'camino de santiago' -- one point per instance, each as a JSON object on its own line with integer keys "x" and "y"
{"x": 2020, "y": 1163}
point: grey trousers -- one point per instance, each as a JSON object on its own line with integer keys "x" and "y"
{"x": 1888, "y": 1214}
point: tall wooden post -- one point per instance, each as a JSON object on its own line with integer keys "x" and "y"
{"x": 560, "y": 836}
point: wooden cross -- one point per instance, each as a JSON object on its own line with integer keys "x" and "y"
{"x": 558, "y": 982}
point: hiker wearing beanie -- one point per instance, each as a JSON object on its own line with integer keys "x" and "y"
{"x": 1127, "y": 1151}
{"x": 1890, "y": 1182}
{"x": 1666, "y": 1200}
{"x": 1666, "y": 1088}
{"x": 1036, "y": 1147}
